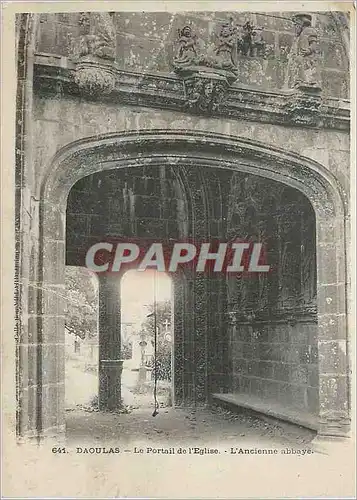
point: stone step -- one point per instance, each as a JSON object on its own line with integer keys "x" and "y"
{"x": 269, "y": 408}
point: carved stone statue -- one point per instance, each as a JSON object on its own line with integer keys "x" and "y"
{"x": 186, "y": 55}
{"x": 226, "y": 46}
{"x": 304, "y": 63}
{"x": 95, "y": 54}
{"x": 206, "y": 76}
{"x": 250, "y": 41}
{"x": 98, "y": 35}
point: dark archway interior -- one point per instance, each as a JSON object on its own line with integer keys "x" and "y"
{"x": 251, "y": 336}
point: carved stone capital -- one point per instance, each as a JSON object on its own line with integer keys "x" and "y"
{"x": 208, "y": 73}
{"x": 94, "y": 79}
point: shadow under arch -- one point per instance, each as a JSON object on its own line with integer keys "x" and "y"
{"x": 191, "y": 148}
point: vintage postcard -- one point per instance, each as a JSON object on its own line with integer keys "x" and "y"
{"x": 178, "y": 248}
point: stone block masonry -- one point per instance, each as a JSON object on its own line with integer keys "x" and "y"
{"x": 277, "y": 361}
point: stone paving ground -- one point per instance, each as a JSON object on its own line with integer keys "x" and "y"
{"x": 200, "y": 426}
{"x": 213, "y": 425}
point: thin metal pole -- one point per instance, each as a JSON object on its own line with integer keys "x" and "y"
{"x": 156, "y": 407}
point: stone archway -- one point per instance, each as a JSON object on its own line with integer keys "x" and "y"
{"x": 191, "y": 148}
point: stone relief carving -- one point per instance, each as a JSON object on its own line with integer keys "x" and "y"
{"x": 98, "y": 35}
{"x": 186, "y": 54}
{"x": 95, "y": 53}
{"x": 304, "y": 107}
{"x": 289, "y": 289}
{"x": 304, "y": 60}
{"x": 304, "y": 72}
{"x": 189, "y": 57}
{"x": 204, "y": 93}
{"x": 225, "y": 49}
{"x": 207, "y": 76}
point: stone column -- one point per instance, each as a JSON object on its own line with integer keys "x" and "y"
{"x": 46, "y": 322}
{"x": 333, "y": 345}
{"x": 110, "y": 364}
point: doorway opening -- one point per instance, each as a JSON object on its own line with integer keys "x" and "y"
{"x": 81, "y": 338}
{"x": 147, "y": 339}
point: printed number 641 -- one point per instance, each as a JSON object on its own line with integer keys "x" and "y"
{"x": 59, "y": 450}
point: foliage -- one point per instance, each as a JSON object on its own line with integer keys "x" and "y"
{"x": 126, "y": 350}
{"x": 163, "y": 314}
{"x": 81, "y": 303}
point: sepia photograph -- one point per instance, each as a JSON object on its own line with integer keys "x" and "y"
{"x": 179, "y": 287}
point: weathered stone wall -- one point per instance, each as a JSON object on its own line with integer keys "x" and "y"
{"x": 58, "y": 121}
{"x": 145, "y": 41}
{"x": 63, "y": 120}
{"x": 144, "y": 203}
{"x": 274, "y": 329}
{"x": 278, "y": 361}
